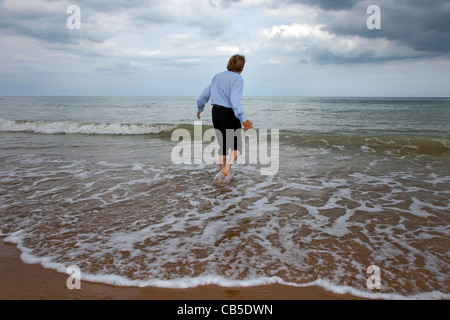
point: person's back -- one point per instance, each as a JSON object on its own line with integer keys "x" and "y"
{"x": 225, "y": 92}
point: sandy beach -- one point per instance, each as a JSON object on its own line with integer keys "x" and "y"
{"x": 20, "y": 281}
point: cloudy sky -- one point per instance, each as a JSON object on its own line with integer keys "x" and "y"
{"x": 174, "y": 47}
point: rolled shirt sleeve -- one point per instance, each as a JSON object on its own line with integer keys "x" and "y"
{"x": 204, "y": 98}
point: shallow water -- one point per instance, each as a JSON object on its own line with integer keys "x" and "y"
{"x": 99, "y": 190}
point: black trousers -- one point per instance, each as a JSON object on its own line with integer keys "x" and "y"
{"x": 228, "y": 129}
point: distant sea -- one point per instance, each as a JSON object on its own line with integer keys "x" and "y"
{"x": 89, "y": 181}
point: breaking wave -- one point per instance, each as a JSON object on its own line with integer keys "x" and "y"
{"x": 69, "y": 127}
{"x": 366, "y": 143}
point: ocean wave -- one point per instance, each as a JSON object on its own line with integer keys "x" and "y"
{"x": 364, "y": 142}
{"x": 69, "y": 127}
{"x": 398, "y": 144}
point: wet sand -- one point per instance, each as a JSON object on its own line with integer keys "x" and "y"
{"x": 20, "y": 281}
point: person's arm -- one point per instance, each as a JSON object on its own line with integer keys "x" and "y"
{"x": 235, "y": 98}
{"x": 203, "y": 100}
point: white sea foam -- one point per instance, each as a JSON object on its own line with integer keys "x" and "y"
{"x": 69, "y": 127}
{"x": 137, "y": 224}
{"x": 193, "y": 282}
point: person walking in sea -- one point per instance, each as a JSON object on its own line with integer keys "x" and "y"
{"x": 225, "y": 92}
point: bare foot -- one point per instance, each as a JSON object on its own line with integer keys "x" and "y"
{"x": 226, "y": 170}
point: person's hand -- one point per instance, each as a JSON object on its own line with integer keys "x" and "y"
{"x": 248, "y": 125}
{"x": 198, "y": 115}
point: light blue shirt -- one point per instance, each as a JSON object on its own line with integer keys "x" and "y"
{"x": 225, "y": 90}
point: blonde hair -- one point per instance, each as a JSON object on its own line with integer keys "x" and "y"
{"x": 236, "y": 63}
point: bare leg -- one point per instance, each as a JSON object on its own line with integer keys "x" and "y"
{"x": 222, "y": 162}
{"x": 233, "y": 156}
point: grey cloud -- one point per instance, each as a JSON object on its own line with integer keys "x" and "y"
{"x": 425, "y": 28}
{"x": 329, "y": 4}
{"x": 108, "y": 6}
{"x": 422, "y": 26}
{"x": 47, "y": 24}
{"x": 222, "y": 3}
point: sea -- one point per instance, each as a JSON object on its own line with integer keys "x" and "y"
{"x": 359, "y": 203}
